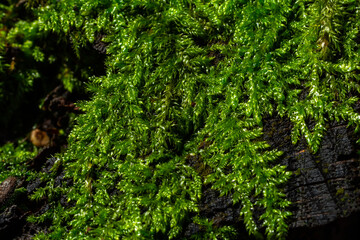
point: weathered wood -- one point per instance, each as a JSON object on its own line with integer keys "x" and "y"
{"x": 325, "y": 186}
{"x": 324, "y": 189}
{"x": 7, "y": 187}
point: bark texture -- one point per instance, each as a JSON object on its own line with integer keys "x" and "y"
{"x": 324, "y": 189}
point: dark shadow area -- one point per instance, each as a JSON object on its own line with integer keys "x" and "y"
{"x": 341, "y": 229}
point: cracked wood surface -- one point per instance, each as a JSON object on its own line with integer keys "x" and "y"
{"x": 325, "y": 186}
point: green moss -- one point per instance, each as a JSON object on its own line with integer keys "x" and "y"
{"x": 13, "y": 159}
{"x": 297, "y": 172}
{"x": 209, "y": 231}
{"x": 179, "y": 72}
{"x": 340, "y": 191}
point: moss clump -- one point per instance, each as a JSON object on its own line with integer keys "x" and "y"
{"x": 13, "y": 159}
{"x": 179, "y": 72}
{"x": 340, "y": 191}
